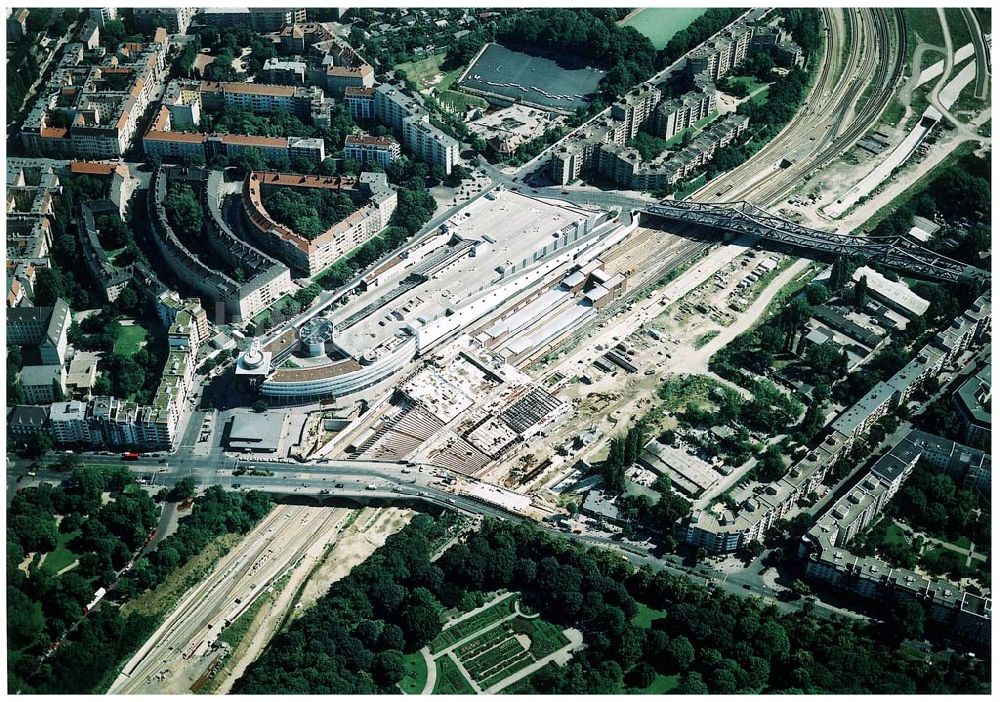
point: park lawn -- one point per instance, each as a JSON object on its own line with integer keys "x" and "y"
{"x": 61, "y": 556}
{"x": 750, "y": 82}
{"x": 693, "y": 130}
{"x": 760, "y": 97}
{"x": 894, "y": 535}
{"x": 924, "y": 21}
{"x": 660, "y": 685}
{"x": 450, "y": 680}
{"x": 963, "y": 542}
{"x": 416, "y": 673}
{"x": 129, "y": 339}
{"x": 646, "y": 615}
{"x": 422, "y": 71}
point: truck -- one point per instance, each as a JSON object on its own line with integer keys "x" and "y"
{"x": 130, "y": 456}
{"x": 371, "y": 486}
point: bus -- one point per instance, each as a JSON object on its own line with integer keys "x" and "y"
{"x": 130, "y": 456}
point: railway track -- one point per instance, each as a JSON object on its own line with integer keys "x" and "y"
{"x": 221, "y": 598}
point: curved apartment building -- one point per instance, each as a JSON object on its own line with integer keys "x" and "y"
{"x": 240, "y": 301}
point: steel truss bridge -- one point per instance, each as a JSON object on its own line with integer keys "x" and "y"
{"x": 892, "y": 251}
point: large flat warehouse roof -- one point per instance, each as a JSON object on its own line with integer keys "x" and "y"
{"x": 509, "y": 230}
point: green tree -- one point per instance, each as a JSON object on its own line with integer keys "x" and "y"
{"x": 183, "y": 210}
{"x": 679, "y": 654}
{"x": 861, "y": 292}
{"x": 388, "y": 668}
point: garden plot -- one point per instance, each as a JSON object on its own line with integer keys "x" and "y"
{"x": 493, "y": 646}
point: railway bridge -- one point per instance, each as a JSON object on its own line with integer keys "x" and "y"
{"x": 892, "y": 252}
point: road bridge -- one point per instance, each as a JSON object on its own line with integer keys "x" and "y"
{"x": 892, "y": 252}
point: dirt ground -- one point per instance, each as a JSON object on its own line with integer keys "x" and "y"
{"x": 369, "y": 532}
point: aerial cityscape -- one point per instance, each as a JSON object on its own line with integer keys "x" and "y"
{"x": 498, "y": 350}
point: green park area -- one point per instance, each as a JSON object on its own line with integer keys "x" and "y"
{"x": 450, "y": 680}
{"x": 489, "y": 646}
{"x": 415, "y": 677}
{"x": 470, "y": 625}
{"x": 660, "y": 24}
{"x": 424, "y": 73}
{"x": 61, "y": 556}
{"x": 130, "y": 339}
{"x": 646, "y": 616}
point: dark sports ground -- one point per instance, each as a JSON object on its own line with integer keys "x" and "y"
{"x": 499, "y": 64}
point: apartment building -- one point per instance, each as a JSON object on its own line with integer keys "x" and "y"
{"x": 92, "y": 111}
{"x": 281, "y": 72}
{"x": 343, "y": 66}
{"x": 625, "y": 166}
{"x": 430, "y": 144}
{"x": 677, "y": 114}
{"x": 636, "y": 108}
{"x": 39, "y": 383}
{"x": 44, "y": 327}
{"x": 717, "y": 56}
{"x": 973, "y": 403}
{"x": 363, "y": 148}
{"x": 411, "y": 120}
{"x": 579, "y": 153}
{"x": 258, "y": 19}
{"x": 176, "y": 20}
{"x": 372, "y": 190}
{"x": 829, "y": 562}
{"x": 266, "y": 279}
{"x": 360, "y": 103}
{"x": 725, "y": 531}
{"x": 68, "y": 422}
{"x": 103, "y": 15}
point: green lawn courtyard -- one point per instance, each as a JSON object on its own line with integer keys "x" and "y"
{"x": 130, "y": 339}
{"x": 416, "y": 673}
{"x": 61, "y": 556}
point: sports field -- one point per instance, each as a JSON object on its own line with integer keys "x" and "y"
{"x": 660, "y": 24}
{"x": 532, "y": 79}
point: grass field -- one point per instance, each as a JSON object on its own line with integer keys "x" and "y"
{"x": 660, "y": 24}
{"x": 467, "y": 627}
{"x": 662, "y": 684}
{"x": 423, "y": 73}
{"x": 450, "y": 680}
{"x": 416, "y": 674}
{"x": 646, "y": 616}
{"x": 957, "y": 27}
{"x": 61, "y": 556}
{"x": 925, "y": 23}
{"x": 129, "y": 339}
{"x": 697, "y": 127}
{"x": 760, "y": 96}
